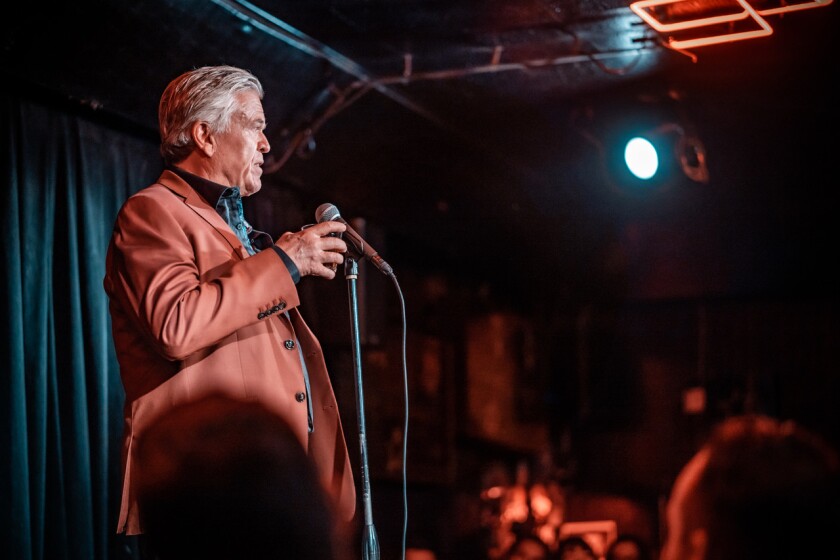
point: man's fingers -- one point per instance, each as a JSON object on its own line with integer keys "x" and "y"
{"x": 326, "y": 228}
{"x": 334, "y": 244}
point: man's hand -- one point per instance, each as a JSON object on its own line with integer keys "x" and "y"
{"x": 316, "y": 250}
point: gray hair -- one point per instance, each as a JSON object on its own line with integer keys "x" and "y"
{"x": 206, "y": 94}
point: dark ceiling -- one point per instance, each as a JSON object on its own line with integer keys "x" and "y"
{"x": 476, "y": 133}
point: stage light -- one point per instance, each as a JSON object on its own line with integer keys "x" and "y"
{"x": 668, "y": 142}
{"x": 657, "y": 157}
{"x": 641, "y": 158}
{"x": 646, "y": 145}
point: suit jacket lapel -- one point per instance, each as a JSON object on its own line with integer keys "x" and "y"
{"x": 203, "y": 209}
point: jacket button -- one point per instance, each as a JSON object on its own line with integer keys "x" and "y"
{"x": 290, "y": 344}
{"x": 300, "y": 396}
{"x": 282, "y": 306}
{"x": 261, "y": 315}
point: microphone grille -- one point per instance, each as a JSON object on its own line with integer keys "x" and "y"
{"x": 326, "y": 212}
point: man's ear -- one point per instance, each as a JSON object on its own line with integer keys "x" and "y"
{"x": 203, "y": 138}
{"x": 698, "y": 542}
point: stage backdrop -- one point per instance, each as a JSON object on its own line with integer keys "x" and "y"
{"x": 66, "y": 172}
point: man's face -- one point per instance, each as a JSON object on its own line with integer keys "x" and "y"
{"x": 682, "y": 540}
{"x": 239, "y": 155}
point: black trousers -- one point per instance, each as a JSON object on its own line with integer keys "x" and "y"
{"x": 145, "y": 549}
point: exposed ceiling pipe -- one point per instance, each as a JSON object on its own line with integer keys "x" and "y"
{"x": 281, "y": 30}
{"x": 275, "y": 27}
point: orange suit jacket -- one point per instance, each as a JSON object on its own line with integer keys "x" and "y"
{"x": 193, "y": 314}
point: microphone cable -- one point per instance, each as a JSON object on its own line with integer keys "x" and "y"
{"x": 405, "y": 419}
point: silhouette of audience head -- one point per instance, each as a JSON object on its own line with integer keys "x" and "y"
{"x": 628, "y": 547}
{"x": 575, "y": 547}
{"x": 759, "y": 488}
{"x": 528, "y": 547}
{"x": 223, "y": 478}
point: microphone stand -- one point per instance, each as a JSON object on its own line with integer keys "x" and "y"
{"x": 370, "y": 544}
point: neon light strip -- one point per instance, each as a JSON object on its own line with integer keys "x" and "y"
{"x": 727, "y": 38}
{"x": 763, "y": 31}
{"x": 641, "y": 11}
{"x": 795, "y": 7}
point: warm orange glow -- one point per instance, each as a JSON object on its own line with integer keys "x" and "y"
{"x": 547, "y": 534}
{"x": 687, "y": 16}
{"x": 516, "y": 509}
{"x": 507, "y": 505}
{"x": 597, "y": 533}
{"x": 493, "y": 493}
{"x": 541, "y": 504}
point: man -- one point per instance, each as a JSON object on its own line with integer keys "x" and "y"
{"x": 758, "y": 489}
{"x": 200, "y": 302}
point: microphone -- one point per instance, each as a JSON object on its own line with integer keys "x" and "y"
{"x": 328, "y": 212}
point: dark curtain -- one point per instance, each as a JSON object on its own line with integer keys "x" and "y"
{"x": 66, "y": 174}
